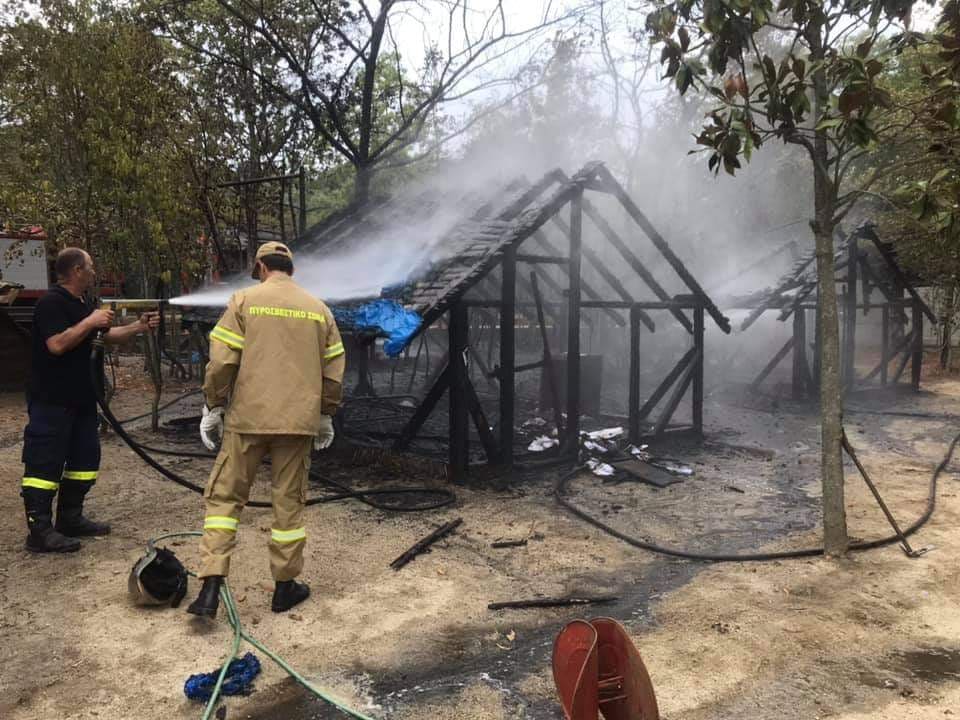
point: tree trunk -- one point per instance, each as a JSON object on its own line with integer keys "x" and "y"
{"x": 835, "y": 540}
{"x": 361, "y": 184}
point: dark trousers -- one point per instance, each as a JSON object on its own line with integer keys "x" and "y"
{"x": 61, "y": 452}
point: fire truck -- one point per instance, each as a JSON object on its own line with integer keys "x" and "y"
{"x": 24, "y": 277}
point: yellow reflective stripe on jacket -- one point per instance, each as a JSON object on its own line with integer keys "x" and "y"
{"x": 227, "y": 337}
{"x": 39, "y": 483}
{"x": 288, "y": 536}
{"x": 333, "y": 351}
{"x": 220, "y": 522}
{"x": 255, "y": 310}
{"x": 80, "y": 475}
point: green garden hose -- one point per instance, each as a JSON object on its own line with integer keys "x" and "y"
{"x": 240, "y": 634}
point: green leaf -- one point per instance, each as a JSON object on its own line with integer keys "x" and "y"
{"x": 799, "y": 68}
{"x": 942, "y": 175}
{"x": 829, "y": 123}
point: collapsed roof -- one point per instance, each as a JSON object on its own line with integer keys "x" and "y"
{"x": 461, "y": 235}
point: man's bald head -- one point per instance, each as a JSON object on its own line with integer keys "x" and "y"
{"x": 68, "y": 260}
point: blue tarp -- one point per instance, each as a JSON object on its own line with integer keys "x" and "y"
{"x": 387, "y": 317}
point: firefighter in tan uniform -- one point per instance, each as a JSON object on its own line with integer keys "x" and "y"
{"x": 272, "y": 386}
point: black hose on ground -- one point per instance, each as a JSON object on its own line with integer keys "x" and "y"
{"x": 562, "y": 483}
{"x": 161, "y": 408}
{"x": 446, "y": 497}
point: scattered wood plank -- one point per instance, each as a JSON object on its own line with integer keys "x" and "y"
{"x": 422, "y": 546}
{"x": 645, "y": 473}
{"x": 553, "y": 602}
{"x": 508, "y": 543}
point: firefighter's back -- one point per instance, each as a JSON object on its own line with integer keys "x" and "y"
{"x": 280, "y": 381}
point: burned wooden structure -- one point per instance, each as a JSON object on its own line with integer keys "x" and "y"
{"x": 502, "y": 263}
{"x": 864, "y": 263}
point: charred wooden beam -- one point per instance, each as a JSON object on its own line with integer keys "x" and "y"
{"x": 668, "y": 381}
{"x": 679, "y": 390}
{"x": 489, "y": 442}
{"x": 868, "y": 232}
{"x": 771, "y": 366}
{"x": 632, "y": 260}
{"x": 552, "y": 602}
{"x": 916, "y": 365}
{"x": 422, "y": 546}
{"x": 700, "y": 345}
{"x": 664, "y": 248}
{"x": 799, "y": 354}
{"x": 410, "y": 430}
{"x": 633, "y": 402}
{"x": 500, "y": 544}
{"x": 887, "y": 355}
{"x": 588, "y": 290}
{"x": 550, "y": 370}
{"x": 541, "y": 259}
{"x": 879, "y": 283}
{"x": 459, "y": 407}
{"x": 508, "y": 319}
{"x": 848, "y": 372}
{"x": 907, "y": 352}
{"x": 884, "y": 344}
{"x": 597, "y": 263}
{"x": 572, "y": 437}
{"x": 526, "y": 223}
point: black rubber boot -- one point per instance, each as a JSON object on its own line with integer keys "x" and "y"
{"x": 43, "y": 538}
{"x": 287, "y": 594}
{"x": 72, "y": 523}
{"x": 70, "y": 519}
{"x": 208, "y": 600}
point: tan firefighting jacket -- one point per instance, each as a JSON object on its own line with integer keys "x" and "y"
{"x": 276, "y": 356}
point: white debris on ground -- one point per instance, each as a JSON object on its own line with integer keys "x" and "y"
{"x": 605, "y": 434}
{"x": 600, "y": 469}
{"x": 542, "y": 443}
{"x": 671, "y": 466}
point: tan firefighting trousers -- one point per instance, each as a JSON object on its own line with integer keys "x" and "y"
{"x": 228, "y": 490}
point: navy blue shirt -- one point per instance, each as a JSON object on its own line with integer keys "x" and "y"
{"x": 61, "y": 379}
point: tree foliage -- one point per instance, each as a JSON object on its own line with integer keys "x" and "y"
{"x": 95, "y": 137}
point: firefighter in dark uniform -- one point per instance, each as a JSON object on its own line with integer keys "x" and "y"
{"x": 61, "y": 447}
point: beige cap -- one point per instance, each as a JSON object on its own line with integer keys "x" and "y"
{"x": 270, "y": 248}
{"x": 273, "y": 248}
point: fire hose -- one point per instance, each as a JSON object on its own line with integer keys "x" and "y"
{"x": 96, "y": 365}
{"x": 240, "y": 634}
{"x": 563, "y": 482}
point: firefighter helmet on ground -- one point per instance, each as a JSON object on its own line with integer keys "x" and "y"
{"x": 158, "y": 578}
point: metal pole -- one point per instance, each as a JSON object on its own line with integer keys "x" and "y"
{"x": 508, "y": 308}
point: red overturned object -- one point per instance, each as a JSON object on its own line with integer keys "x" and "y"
{"x": 598, "y": 670}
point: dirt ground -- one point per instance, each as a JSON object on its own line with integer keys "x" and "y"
{"x": 873, "y": 636}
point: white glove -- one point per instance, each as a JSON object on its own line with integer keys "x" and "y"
{"x": 324, "y": 438}
{"x": 211, "y": 426}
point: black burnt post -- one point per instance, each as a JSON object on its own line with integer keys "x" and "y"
{"x": 508, "y": 311}
{"x": 571, "y": 442}
{"x": 459, "y": 407}
{"x": 634, "y": 401}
